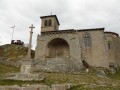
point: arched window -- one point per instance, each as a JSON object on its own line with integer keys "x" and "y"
{"x": 50, "y": 23}
{"x": 109, "y": 45}
{"x": 45, "y": 23}
{"x": 87, "y": 40}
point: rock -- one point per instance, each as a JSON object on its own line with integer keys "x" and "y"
{"x": 61, "y": 86}
{"x": 113, "y": 71}
{"x": 38, "y": 87}
{"x": 101, "y": 73}
{"x": 21, "y": 56}
{"x": 25, "y": 77}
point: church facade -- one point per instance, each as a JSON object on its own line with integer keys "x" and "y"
{"x": 97, "y": 47}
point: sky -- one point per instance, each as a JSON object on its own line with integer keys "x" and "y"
{"x": 72, "y": 14}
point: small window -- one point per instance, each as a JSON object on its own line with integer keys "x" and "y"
{"x": 45, "y": 23}
{"x": 50, "y": 23}
{"x": 87, "y": 40}
{"x": 109, "y": 45}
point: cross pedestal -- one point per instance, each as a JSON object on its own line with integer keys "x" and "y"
{"x": 26, "y": 66}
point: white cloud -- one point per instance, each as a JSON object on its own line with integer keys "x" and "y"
{"x": 71, "y": 14}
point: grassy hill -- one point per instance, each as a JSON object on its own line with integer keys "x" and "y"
{"x": 82, "y": 81}
{"x": 6, "y": 69}
{"x": 14, "y": 52}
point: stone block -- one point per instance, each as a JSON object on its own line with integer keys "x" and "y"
{"x": 11, "y": 88}
{"x": 43, "y": 87}
{"x": 60, "y": 87}
{"x": 29, "y": 88}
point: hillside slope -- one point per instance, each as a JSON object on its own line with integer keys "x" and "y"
{"x": 14, "y": 52}
{"x": 7, "y": 69}
{"x": 83, "y": 81}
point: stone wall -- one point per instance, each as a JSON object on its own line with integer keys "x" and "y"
{"x": 113, "y": 51}
{"x": 38, "y": 87}
{"x": 70, "y": 38}
{"x": 74, "y": 51}
{"x": 99, "y": 49}
{"x": 96, "y": 54}
{"x": 53, "y": 27}
{"x": 57, "y": 65}
{"x": 117, "y": 50}
{"x": 110, "y": 48}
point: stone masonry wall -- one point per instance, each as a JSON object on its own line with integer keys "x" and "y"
{"x": 110, "y": 49}
{"x": 117, "y": 50}
{"x": 113, "y": 52}
{"x": 53, "y": 27}
{"x": 96, "y": 54}
{"x": 99, "y": 49}
{"x": 71, "y": 39}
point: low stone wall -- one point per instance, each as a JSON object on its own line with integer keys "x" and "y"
{"x": 57, "y": 65}
{"x": 38, "y": 87}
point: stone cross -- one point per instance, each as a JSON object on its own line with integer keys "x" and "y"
{"x": 30, "y": 42}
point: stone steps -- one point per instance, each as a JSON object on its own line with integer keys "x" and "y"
{"x": 38, "y": 87}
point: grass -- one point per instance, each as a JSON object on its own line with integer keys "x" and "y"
{"x": 83, "y": 80}
{"x": 4, "y": 69}
{"x": 88, "y": 87}
{"x": 60, "y": 78}
{"x": 115, "y": 76}
{"x": 51, "y": 78}
{"x": 7, "y": 69}
{"x": 18, "y": 82}
{"x": 55, "y": 78}
{"x": 14, "y": 52}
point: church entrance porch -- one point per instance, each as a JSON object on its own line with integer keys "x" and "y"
{"x": 57, "y": 48}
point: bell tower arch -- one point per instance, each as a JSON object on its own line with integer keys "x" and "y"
{"x": 49, "y": 23}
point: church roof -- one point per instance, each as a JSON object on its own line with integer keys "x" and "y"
{"x": 92, "y": 29}
{"x": 51, "y": 16}
{"x": 113, "y": 33}
{"x": 72, "y": 31}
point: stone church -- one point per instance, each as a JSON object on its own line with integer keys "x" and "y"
{"x": 64, "y": 50}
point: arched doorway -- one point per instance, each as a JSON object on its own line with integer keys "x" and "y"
{"x": 57, "y": 48}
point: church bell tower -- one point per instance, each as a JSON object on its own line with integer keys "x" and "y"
{"x": 49, "y": 23}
